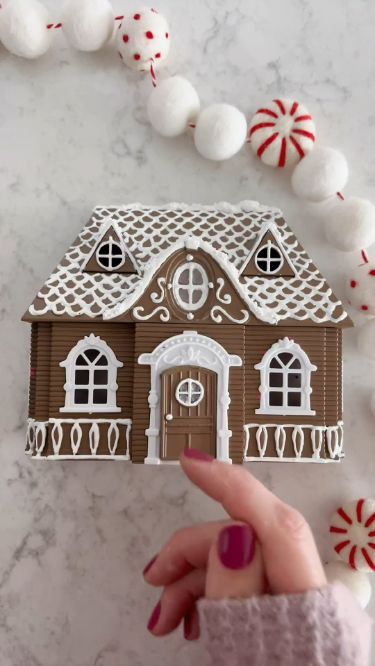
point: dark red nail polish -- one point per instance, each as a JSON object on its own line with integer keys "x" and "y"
{"x": 149, "y": 565}
{"x": 189, "y": 627}
{"x": 236, "y": 546}
{"x": 195, "y": 454}
{"x": 154, "y": 618}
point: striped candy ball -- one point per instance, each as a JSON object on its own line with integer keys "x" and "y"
{"x": 282, "y": 132}
{"x": 353, "y": 532}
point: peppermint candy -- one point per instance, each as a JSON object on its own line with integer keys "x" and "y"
{"x": 353, "y": 534}
{"x": 282, "y": 132}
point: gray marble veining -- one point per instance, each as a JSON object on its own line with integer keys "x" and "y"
{"x": 74, "y": 133}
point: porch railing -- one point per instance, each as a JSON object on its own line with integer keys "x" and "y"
{"x": 310, "y": 442}
{"x": 41, "y": 433}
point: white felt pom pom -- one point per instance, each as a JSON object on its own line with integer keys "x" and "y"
{"x": 350, "y": 224}
{"x": 172, "y": 105}
{"x": 356, "y": 581}
{"x": 142, "y": 38}
{"x": 366, "y": 339}
{"x": 220, "y": 132}
{"x": 88, "y": 24}
{"x": 360, "y": 288}
{"x": 23, "y": 28}
{"x": 282, "y": 132}
{"x": 320, "y": 175}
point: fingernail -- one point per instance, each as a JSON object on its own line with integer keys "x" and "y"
{"x": 189, "y": 627}
{"x": 195, "y": 454}
{"x": 236, "y": 546}
{"x": 149, "y": 565}
{"x": 154, "y": 617}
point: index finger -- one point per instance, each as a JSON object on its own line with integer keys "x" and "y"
{"x": 290, "y": 554}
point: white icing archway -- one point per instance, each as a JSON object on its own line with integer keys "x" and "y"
{"x": 189, "y": 348}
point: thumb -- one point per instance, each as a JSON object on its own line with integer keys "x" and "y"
{"x": 235, "y": 565}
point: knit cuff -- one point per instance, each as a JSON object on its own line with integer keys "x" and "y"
{"x": 317, "y": 628}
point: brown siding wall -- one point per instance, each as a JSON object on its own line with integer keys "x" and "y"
{"x": 119, "y": 338}
{"x": 64, "y": 336}
{"x": 323, "y": 347}
{"x": 40, "y": 361}
{"x": 333, "y": 377}
{"x": 33, "y": 365}
{"x": 147, "y": 337}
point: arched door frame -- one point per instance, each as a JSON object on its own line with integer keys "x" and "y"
{"x": 189, "y": 348}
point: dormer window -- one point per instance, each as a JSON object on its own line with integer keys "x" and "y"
{"x": 269, "y": 259}
{"x": 190, "y": 286}
{"x": 110, "y": 255}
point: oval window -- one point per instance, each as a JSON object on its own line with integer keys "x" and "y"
{"x": 190, "y": 286}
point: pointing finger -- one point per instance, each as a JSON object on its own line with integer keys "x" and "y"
{"x": 290, "y": 555}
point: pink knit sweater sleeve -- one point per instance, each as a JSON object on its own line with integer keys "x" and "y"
{"x": 323, "y": 627}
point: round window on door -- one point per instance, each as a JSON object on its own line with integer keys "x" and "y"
{"x": 189, "y": 392}
{"x": 190, "y": 286}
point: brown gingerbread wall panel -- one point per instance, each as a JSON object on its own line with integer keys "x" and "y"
{"x": 64, "y": 337}
{"x": 333, "y": 377}
{"x": 33, "y": 365}
{"x": 323, "y": 349}
{"x": 147, "y": 338}
{"x": 40, "y": 368}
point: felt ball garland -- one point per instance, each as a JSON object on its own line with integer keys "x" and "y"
{"x": 281, "y": 133}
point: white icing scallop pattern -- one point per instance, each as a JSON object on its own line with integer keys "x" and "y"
{"x": 227, "y": 232}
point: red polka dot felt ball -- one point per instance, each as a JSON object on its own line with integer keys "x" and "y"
{"x": 143, "y": 38}
{"x": 360, "y": 289}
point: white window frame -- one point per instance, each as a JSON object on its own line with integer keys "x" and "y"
{"x": 203, "y": 288}
{"x": 70, "y": 364}
{"x": 111, "y": 242}
{"x": 291, "y": 347}
{"x": 269, "y": 246}
{"x": 189, "y": 381}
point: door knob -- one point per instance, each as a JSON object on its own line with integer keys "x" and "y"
{"x": 169, "y": 417}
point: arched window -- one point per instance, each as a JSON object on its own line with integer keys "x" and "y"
{"x": 190, "y": 286}
{"x": 91, "y": 374}
{"x": 285, "y": 374}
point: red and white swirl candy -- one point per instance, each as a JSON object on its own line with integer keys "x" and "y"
{"x": 282, "y": 132}
{"x": 353, "y": 532}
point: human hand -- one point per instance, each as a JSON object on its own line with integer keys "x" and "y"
{"x": 266, "y": 547}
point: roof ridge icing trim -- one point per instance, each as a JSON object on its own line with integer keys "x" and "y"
{"x": 245, "y": 206}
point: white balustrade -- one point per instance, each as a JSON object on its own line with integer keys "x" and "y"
{"x": 307, "y": 440}
{"x": 117, "y": 438}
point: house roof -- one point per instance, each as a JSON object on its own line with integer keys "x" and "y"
{"x": 153, "y": 233}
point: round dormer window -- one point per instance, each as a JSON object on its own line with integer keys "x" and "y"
{"x": 190, "y": 286}
{"x": 269, "y": 259}
{"x": 110, "y": 255}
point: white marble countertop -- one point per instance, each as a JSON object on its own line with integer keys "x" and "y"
{"x": 73, "y": 133}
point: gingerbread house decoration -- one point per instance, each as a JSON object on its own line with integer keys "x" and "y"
{"x": 186, "y": 326}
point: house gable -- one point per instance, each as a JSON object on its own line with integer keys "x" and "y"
{"x": 111, "y": 254}
{"x": 268, "y": 257}
{"x": 190, "y": 286}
